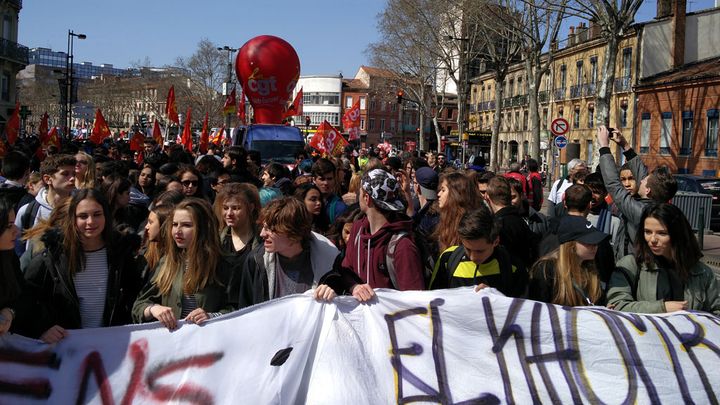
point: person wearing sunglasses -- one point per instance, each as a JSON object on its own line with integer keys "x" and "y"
{"x": 191, "y": 181}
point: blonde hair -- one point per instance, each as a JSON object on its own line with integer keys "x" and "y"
{"x": 570, "y": 272}
{"x": 89, "y": 176}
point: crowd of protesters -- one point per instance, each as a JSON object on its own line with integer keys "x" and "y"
{"x": 96, "y": 236}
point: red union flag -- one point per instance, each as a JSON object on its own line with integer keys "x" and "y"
{"x": 12, "y": 128}
{"x": 100, "y": 129}
{"x": 296, "y": 108}
{"x": 156, "y": 133}
{"x": 351, "y": 121}
{"x": 171, "y": 106}
{"x": 136, "y": 141}
{"x": 230, "y": 103}
{"x": 186, "y": 139}
{"x": 205, "y": 135}
{"x": 328, "y": 140}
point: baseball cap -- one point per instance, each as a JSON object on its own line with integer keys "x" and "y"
{"x": 579, "y": 229}
{"x": 427, "y": 178}
{"x": 382, "y": 187}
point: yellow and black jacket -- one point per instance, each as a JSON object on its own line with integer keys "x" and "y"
{"x": 500, "y": 271}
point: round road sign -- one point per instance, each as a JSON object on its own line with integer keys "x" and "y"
{"x": 559, "y": 126}
{"x": 561, "y": 141}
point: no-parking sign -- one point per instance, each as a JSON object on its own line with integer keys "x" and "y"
{"x": 559, "y": 126}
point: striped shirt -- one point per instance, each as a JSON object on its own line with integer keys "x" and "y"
{"x": 91, "y": 288}
{"x": 189, "y": 304}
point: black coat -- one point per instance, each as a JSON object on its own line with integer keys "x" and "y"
{"x": 50, "y": 290}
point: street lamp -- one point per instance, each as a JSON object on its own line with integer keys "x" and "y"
{"x": 69, "y": 81}
{"x": 227, "y": 91}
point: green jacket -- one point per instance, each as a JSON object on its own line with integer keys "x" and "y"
{"x": 212, "y": 298}
{"x": 701, "y": 290}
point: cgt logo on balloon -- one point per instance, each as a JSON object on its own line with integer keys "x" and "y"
{"x": 268, "y": 69}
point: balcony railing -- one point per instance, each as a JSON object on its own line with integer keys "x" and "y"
{"x": 589, "y": 89}
{"x": 507, "y": 102}
{"x": 559, "y": 93}
{"x": 471, "y": 109}
{"x": 543, "y": 96}
{"x": 13, "y": 51}
{"x": 576, "y": 91}
{"x": 520, "y": 100}
{"x": 622, "y": 84}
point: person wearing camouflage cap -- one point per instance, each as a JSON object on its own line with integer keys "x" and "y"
{"x": 384, "y": 235}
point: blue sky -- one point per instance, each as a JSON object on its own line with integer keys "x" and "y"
{"x": 330, "y": 36}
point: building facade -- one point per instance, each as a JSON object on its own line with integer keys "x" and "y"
{"x": 13, "y": 58}
{"x": 678, "y": 96}
{"x": 85, "y": 70}
{"x": 567, "y": 91}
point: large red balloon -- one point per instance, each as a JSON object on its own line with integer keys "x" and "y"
{"x": 268, "y": 69}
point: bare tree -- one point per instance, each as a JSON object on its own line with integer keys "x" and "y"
{"x": 206, "y": 70}
{"x": 403, "y": 51}
{"x": 614, "y": 19}
{"x": 539, "y": 26}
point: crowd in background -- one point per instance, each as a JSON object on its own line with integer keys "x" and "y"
{"x": 96, "y": 236}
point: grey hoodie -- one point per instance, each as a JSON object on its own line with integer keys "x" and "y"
{"x": 42, "y": 213}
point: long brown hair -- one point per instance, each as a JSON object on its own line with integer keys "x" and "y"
{"x": 570, "y": 272}
{"x": 201, "y": 257}
{"x": 71, "y": 236}
{"x": 462, "y": 196}
{"x": 156, "y": 250}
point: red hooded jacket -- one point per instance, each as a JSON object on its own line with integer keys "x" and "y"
{"x": 366, "y": 255}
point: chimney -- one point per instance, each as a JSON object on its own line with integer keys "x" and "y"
{"x": 571, "y": 36}
{"x": 594, "y": 30}
{"x": 582, "y": 32}
{"x": 678, "y": 26}
{"x": 663, "y": 9}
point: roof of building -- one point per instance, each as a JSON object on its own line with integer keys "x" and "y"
{"x": 373, "y": 71}
{"x": 705, "y": 69}
{"x": 350, "y": 84}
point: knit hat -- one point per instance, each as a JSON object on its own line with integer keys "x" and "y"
{"x": 382, "y": 187}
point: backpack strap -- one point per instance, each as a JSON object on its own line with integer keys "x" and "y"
{"x": 29, "y": 214}
{"x": 390, "y": 256}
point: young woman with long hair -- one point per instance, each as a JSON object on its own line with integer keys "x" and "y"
{"x": 665, "y": 274}
{"x": 34, "y": 235}
{"x": 154, "y": 239}
{"x": 84, "y": 171}
{"x": 567, "y": 275}
{"x": 457, "y": 194}
{"x": 191, "y": 280}
{"x": 237, "y": 207}
{"x": 86, "y": 278}
{"x": 146, "y": 180}
{"x": 310, "y": 195}
{"x": 191, "y": 180}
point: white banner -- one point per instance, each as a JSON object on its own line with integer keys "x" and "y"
{"x": 446, "y": 346}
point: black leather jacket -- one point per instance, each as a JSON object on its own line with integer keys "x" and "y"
{"x": 50, "y": 289}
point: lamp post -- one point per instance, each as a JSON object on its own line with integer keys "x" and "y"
{"x": 69, "y": 78}
{"x": 462, "y": 91}
{"x": 227, "y": 91}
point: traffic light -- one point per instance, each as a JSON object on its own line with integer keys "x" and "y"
{"x": 307, "y": 120}
{"x": 400, "y": 94}
{"x": 143, "y": 120}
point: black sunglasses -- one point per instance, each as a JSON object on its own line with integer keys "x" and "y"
{"x": 188, "y": 183}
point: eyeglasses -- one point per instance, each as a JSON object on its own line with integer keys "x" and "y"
{"x": 189, "y": 183}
